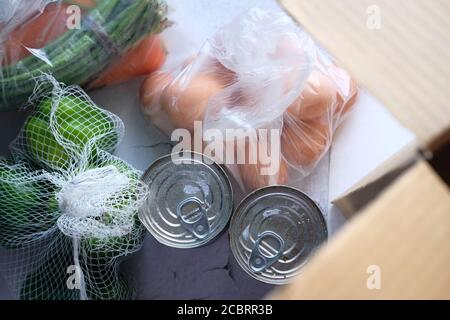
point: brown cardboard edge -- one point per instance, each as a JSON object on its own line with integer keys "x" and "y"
{"x": 404, "y": 233}
{"x": 430, "y": 143}
{"x": 440, "y": 142}
{"x": 318, "y": 279}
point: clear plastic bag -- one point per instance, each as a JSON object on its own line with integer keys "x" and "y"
{"x": 77, "y": 41}
{"x": 259, "y": 72}
{"x": 68, "y": 207}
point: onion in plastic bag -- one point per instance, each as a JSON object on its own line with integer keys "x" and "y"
{"x": 259, "y": 72}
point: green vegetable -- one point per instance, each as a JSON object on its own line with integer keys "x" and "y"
{"x": 79, "y": 124}
{"x": 49, "y": 280}
{"x": 70, "y": 135}
{"x": 26, "y": 207}
{"x": 104, "y": 279}
{"x": 99, "y": 260}
{"x": 99, "y": 253}
{"x": 113, "y": 246}
{"x": 107, "y": 31}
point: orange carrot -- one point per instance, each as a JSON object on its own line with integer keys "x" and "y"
{"x": 147, "y": 56}
{"x": 39, "y": 30}
{"x": 35, "y": 33}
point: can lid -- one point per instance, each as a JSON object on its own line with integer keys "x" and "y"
{"x": 274, "y": 230}
{"x": 190, "y": 200}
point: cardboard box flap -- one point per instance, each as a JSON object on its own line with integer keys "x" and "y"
{"x": 395, "y": 249}
{"x": 399, "y": 50}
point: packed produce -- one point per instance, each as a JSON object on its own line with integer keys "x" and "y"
{"x": 71, "y": 212}
{"x": 260, "y": 72}
{"x": 99, "y": 47}
{"x": 146, "y": 57}
{"x": 69, "y": 207}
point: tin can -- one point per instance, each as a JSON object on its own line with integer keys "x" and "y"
{"x": 273, "y": 232}
{"x": 190, "y": 200}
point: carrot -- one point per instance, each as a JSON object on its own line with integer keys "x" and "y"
{"x": 143, "y": 59}
{"x": 35, "y": 33}
{"x": 43, "y": 28}
{"x": 39, "y": 30}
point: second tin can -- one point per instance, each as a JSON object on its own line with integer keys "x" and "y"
{"x": 190, "y": 200}
{"x": 273, "y": 232}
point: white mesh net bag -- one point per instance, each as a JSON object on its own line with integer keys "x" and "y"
{"x": 68, "y": 207}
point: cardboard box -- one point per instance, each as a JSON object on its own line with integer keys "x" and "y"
{"x": 398, "y": 246}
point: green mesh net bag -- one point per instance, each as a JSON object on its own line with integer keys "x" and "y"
{"x": 68, "y": 206}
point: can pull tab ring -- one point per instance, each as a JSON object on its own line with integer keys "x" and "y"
{"x": 199, "y": 227}
{"x": 258, "y": 261}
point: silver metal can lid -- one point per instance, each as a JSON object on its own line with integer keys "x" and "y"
{"x": 273, "y": 232}
{"x": 190, "y": 200}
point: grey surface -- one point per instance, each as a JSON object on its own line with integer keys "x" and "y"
{"x": 10, "y": 123}
{"x": 209, "y": 272}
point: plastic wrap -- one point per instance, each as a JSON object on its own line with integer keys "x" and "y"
{"x": 68, "y": 206}
{"x": 76, "y": 41}
{"x": 260, "y": 72}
